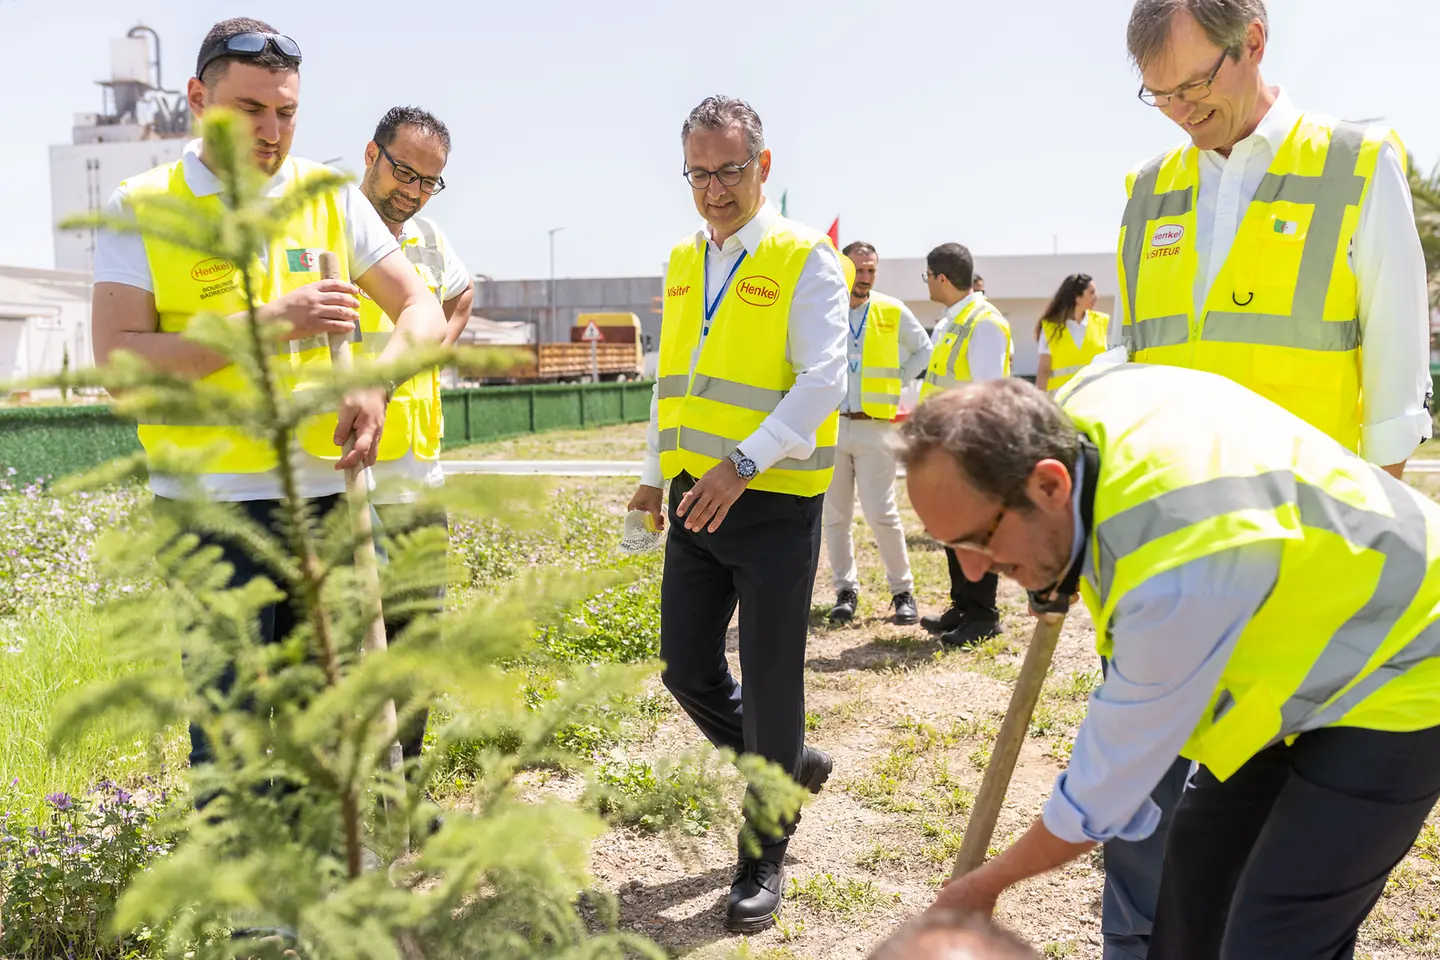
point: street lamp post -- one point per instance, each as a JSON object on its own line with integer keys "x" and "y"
{"x": 554, "y": 327}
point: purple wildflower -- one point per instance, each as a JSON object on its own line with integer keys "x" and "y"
{"x": 60, "y": 801}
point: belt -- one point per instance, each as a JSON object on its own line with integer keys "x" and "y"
{"x": 856, "y": 416}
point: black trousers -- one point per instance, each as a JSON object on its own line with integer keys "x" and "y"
{"x": 1288, "y": 856}
{"x": 763, "y": 557}
{"x": 975, "y": 599}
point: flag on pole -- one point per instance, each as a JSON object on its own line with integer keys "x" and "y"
{"x": 784, "y": 207}
{"x": 834, "y": 233}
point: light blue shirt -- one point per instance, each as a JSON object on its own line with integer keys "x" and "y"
{"x": 1173, "y": 635}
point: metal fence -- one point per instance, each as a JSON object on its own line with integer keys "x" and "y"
{"x": 54, "y": 441}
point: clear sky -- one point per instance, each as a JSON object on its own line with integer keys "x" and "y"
{"x": 1007, "y": 126}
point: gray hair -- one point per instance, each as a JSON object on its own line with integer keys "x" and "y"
{"x": 719, "y": 112}
{"x": 1225, "y": 22}
{"x": 997, "y": 431}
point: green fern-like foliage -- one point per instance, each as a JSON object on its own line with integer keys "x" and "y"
{"x": 304, "y": 826}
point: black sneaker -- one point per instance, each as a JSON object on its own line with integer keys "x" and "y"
{"x": 944, "y": 623}
{"x": 815, "y": 767}
{"x": 906, "y": 612}
{"x": 755, "y": 896}
{"x": 970, "y": 633}
{"x": 844, "y": 609}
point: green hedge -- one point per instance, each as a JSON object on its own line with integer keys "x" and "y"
{"x": 55, "y": 441}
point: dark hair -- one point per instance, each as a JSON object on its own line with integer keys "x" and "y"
{"x": 858, "y": 246}
{"x": 953, "y": 261}
{"x": 1225, "y": 22}
{"x": 269, "y": 58}
{"x": 976, "y": 279}
{"x": 952, "y": 925}
{"x": 397, "y": 117}
{"x": 1062, "y": 305}
{"x": 719, "y": 112}
{"x": 997, "y": 431}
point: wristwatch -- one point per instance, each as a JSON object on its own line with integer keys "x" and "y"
{"x": 744, "y": 466}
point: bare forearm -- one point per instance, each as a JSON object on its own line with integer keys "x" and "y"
{"x": 457, "y": 315}
{"x": 1396, "y": 470}
{"x": 166, "y": 352}
{"x": 1038, "y": 851}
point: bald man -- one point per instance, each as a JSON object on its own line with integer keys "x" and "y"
{"x": 944, "y": 934}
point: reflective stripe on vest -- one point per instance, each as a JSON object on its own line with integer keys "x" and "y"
{"x": 880, "y": 358}
{"x": 1304, "y": 330}
{"x": 950, "y": 368}
{"x": 1063, "y": 348}
{"x": 742, "y": 369}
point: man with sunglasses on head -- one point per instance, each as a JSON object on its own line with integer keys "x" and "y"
{"x": 743, "y": 425}
{"x": 971, "y": 343}
{"x": 147, "y": 290}
{"x": 1269, "y": 249}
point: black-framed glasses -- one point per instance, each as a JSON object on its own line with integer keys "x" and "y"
{"x": 430, "y": 185}
{"x": 981, "y": 546}
{"x": 728, "y": 175}
{"x": 249, "y": 45}
{"x": 1190, "y": 93}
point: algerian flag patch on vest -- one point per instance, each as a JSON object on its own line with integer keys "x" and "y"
{"x": 1287, "y": 227}
{"x": 303, "y": 261}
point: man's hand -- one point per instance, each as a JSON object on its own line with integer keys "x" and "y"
{"x": 710, "y": 499}
{"x": 968, "y": 895}
{"x": 362, "y": 413}
{"x": 651, "y": 500}
{"x": 322, "y": 308}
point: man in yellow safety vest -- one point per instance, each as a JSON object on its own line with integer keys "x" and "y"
{"x": 1270, "y": 607}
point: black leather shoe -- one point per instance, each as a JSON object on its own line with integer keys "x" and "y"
{"x": 844, "y": 609}
{"x": 906, "y": 612}
{"x": 815, "y": 767}
{"x": 970, "y": 633}
{"x": 944, "y": 623}
{"x": 754, "y": 896}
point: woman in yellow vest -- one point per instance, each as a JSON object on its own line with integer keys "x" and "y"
{"x": 1071, "y": 332}
{"x": 1269, "y": 605}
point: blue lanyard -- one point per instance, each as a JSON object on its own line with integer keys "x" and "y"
{"x": 864, "y": 318}
{"x": 710, "y": 308}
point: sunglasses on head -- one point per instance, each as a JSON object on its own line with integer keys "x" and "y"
{"x": 249, "y": 46}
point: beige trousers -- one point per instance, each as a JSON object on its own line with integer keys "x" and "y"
{"x": 863, "y": 459}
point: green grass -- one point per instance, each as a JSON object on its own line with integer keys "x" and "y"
{"x": 623, "y": 442}
{"x": 844, "y": 896}
{"x": 56, "y": 656}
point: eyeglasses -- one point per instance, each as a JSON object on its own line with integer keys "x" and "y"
{"x": 1190, "y": 93}
{"x": 981, "y": 546}
{"x": 728, "y": 175}
{"x": 430, "y": 185}
{"x": 249, "y": 45}
{"x": 927, "y": 275}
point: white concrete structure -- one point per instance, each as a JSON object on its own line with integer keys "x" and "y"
{"x": 1019, "y": 286}
{"x": 44, "y": 319}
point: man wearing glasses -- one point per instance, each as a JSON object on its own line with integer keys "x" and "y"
{"x": 971, "y": 343}
{"x": 744, "y": 425}
{"x": 147, "y": 290}
{"x": 403, "y": 166}
{"x": 1268, "y": 250}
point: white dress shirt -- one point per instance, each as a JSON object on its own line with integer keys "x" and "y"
{"x": 121, "y": 258}
{"x": 914, "y": 352}
{"x": 988, "y": 348}
{"x": 816, "y": 345}
{"x": 1393, "y": 305}
{"x": 1076, "y": 329}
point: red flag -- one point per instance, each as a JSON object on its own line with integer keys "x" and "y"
{"x": 834, "y": 233}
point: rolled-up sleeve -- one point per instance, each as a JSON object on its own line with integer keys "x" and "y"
{"x": 1173, "y": 635}
{"x": 1394, "y": 310}
{"x": 818, "y": 324}
{"x": 650, "y": 473}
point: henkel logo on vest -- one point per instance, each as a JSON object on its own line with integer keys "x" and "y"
{"x": 1166, "y": 234}
{"x": 758, "y": 291}
{"x": 212, "y": 270}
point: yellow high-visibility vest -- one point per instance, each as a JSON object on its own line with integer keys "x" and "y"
{"x": 743, "y": 368}
{"x": 188, "y": 283}
{"x": 1349, "y": 634}
{"x": 1281, "y": 317}
{"x": 1066, "y": 359}
{"x": 413, "y": 421}
{"x": 950, "y": 360}
{"x": 880, "y": 358}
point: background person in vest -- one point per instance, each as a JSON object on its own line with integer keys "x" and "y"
{"x": 886, "y": 349}
{"x": 1070, "y": 332}
{"x": 145, "y": 296}
{"x": 1269, "y": 613}
{"x": 743, "y": 425}
{"x": 404, "y": 163}
{"x": 1268, "y": 249}
{"x": 970, "y": 343}
{"x": 977, "y": 286}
